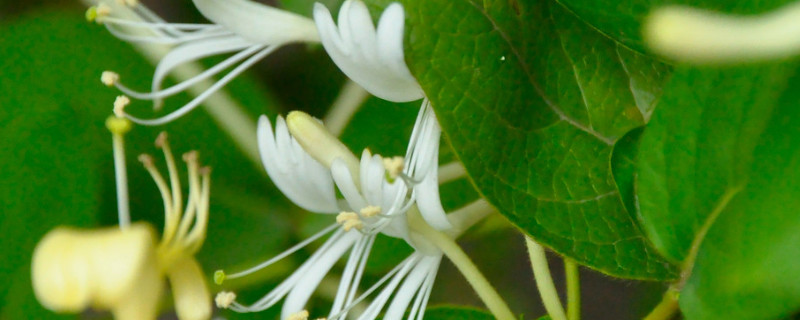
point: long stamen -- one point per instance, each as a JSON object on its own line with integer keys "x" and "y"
{"x": 160, "y": 38}
{"x": 174, "y": 179}
{"x": 198, "y": 234}
{"x": 220, "y": 276}
{"x": 118, "y": 127}
{"x": 184, "y": 85}
{"x": 194, "y": 189}
{"x": 203, "y": 96}
{"x": 147, "y": 161}
{"x": 400, "y": 271}
{"x": 161, "y": 25}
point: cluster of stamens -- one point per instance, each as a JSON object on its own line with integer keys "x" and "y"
{"x": 351, "y": 220}
{"x": 184, "y": 229}
{"x": 394, "y": 167}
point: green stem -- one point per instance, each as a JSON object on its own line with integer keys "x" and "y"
{"x": 451, "y": 171}
{"x": 666, "y": 308}
{"x": 450, "y": 248}
{"x": 573, "y": 289}
{"x": 541, "y": 272}
{"x": 350, "y": 98}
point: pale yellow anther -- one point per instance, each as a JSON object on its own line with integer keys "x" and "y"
{"x": 109, "y": 78}
{"x": 224, "y": 299}
{"x": 118, "y": 125}
{"x": 161, "y": 139}
{"x": 349, "y": 220}
{"x": 146, "y": 160}
{"x": 370, "y": 211}
{"x": 119, "y": 105}
{"x": 190, "y": 156}
{"x": 302, "y": 315}
{"x": 204, "y": 171}
{"x": 394, "y": 166}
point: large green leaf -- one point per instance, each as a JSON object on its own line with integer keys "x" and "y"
{"x": 720, "y": 156}
{"x": 533, "y": 101}
{"x": 622, "y": 20}
{"x": 696, "y": 152}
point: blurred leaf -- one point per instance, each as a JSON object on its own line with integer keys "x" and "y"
{"x": 533, "y": 101}
{"x": 622, "y": 20}
{"x": 698, "y": 149}
{"x": 456, "y": 313}
{"x": 721, "y": 154}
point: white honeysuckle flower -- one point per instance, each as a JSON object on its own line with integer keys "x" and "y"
{"x": 248, "y": 30}
{"x": 122, "y": 269}
{"x": 372, "y": 57}
{"x": 372, "y": 203}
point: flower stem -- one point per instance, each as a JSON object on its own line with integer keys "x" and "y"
{"x": 451, "y": 171}
{"x": 450, "y": 248}
{"x": 541, "y": 272}
{"x": 350, "y": 98}
{"x": 573, "y": 289}
{"x": 666, "y": 308}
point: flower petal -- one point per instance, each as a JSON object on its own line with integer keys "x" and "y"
{"x": 344, "y": 181}
{"x": 301, "y": 178}
{"x": 257, "y": 22}
{"x": 354, "y": 47}
{"x": 108, "y": 269}
{"x": 298, "y": 297}
{"x": 192, "y": 299}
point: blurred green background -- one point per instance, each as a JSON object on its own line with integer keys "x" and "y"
{"x": 56, "y": 167}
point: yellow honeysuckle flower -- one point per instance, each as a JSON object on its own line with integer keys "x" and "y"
{"x": 122, "y": 269}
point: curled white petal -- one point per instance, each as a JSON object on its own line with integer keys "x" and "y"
{"x": 301, "y": 178}
{"x": 372, "y": 58}
{"x": 423, "y": 163}
{"x": 701, "y": 36}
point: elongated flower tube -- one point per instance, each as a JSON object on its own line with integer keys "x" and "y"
{"x": 123, "y": 269}
{"x": 246, "y": 29}
{"x": 701, "y": 36}
{"x": 306, "y": 165}
{"x": 372, "y": 57}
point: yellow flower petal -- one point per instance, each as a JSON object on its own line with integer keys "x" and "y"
{"x": 73, "y": 269}
{"x": 192, "y": 299}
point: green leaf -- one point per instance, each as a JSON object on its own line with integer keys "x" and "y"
{"x": 622, "y": 20}
{"x": 717, "y": 189}
{"x": 748, "y": 264}
{"x": 456, "y": 313}
{"x": 697, "y": 149}
{"x": 533, "y": 101}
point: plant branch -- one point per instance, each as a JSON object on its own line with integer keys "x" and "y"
{"x": 450, "y": 248}
{"x": 666, "y": 308}
{"x": 541, "y": 272}
{"x": 573, "y": 289}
